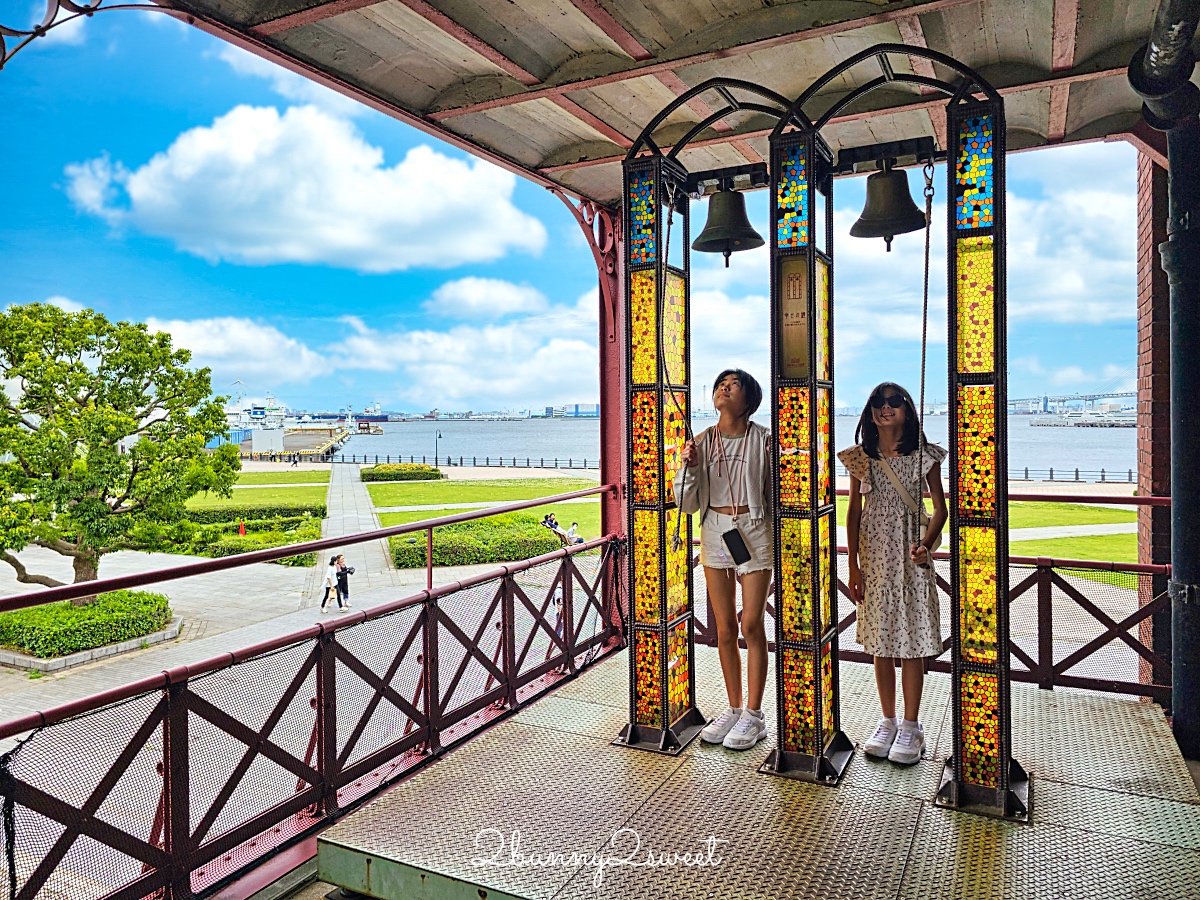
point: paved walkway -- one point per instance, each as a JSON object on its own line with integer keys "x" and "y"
{"x": 350, "y": 511}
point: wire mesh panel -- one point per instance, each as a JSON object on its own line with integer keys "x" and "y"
{"x": 662, "y": 710}
{"x": 469, "y": 645}
{"x": 587, "y": 603}
{"x": 981, "y": 774}
{"x": 811, "y": 745}
{"x": 87, "y": 819}
{"x": 538, "y": 609}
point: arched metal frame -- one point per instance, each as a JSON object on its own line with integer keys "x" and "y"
{"x": 981, "y": 775}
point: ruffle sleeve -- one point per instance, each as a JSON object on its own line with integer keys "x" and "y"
{"x": 858, "y": 464}
{"x": 933, "y": 456}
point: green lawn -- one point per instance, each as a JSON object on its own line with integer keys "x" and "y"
{"x": 262, "y": 497}
{"x": 1041, "y": 515}
{"x": 288, "y": 477}
{"x": 1103, "y": 547}
{"x": 586, "y": 514}
{"x": 428, "y": 493}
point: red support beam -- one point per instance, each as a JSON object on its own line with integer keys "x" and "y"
{"x": 602, "y": 19}
{"x": 313, "y": 14}
{"x": 1066, "y": 24}
{"x": 426, "y": 11}
{"x": 679, "y": 87}
{"x": 653, "y": 68}
{"x": 1057, "y": 130}
{"x": 570, "y": 106}
{"x": 1148, "y": 142}
{"x": 913, "y": 34}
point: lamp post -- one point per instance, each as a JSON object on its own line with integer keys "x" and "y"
{"x": 436, "y": 437}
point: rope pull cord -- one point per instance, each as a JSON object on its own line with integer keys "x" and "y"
{"x": 919, "y": 494}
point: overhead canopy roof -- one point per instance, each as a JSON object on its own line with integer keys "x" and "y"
{"x": 558, "y": 89}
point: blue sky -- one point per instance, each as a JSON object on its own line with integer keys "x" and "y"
{"x": 323, "y": 252}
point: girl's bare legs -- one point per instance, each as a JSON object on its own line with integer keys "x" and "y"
{"x": 754, "y": 602}
{"x": 885, "y": 683}
{"x": 722, "y": 588}
{"x": 912, "y": 677}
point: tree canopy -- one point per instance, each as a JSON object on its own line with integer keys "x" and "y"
{"x": 102, "y": 434}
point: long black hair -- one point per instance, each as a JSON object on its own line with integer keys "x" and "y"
{"x": 867, "y": 432}
{"x": 751, "y": 389}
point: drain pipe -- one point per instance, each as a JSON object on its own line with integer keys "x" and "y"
{"x": 1160, "y": 73}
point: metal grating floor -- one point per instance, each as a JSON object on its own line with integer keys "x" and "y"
{"x": 1116, "y": 813}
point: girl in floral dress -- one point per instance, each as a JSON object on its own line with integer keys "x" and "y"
{"x": 891, "y": 573}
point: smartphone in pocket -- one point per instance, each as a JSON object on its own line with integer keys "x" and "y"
{"x": 736, "y": 545}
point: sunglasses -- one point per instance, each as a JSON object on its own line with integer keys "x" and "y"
{"x": 895, "y": 401}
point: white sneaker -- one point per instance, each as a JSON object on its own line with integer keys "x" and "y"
{"x": 714, "y": 732}
{"x": 324, "y": 610}
{"x": 749, "y": 730}
{"x": 880, "y": 743}
{"x": 909, "y": 745}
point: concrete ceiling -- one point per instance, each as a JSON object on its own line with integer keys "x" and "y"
{"x": 558, "y": 89}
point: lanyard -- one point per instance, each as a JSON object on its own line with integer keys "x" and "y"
{"x": 726, "y": 463}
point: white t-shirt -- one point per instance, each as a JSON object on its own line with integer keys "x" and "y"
{"x": 331, "y": 576}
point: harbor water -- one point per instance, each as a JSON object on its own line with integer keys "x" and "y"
{"x": 1090, "y": 450}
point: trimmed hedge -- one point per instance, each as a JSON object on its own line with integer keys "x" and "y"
{"x": 56, "y": 629}
{"x": 208, "y": 515}
{"x": 503, "y": 538}
{"x": 401, "y": 472}
{"x": 224, "y": 540}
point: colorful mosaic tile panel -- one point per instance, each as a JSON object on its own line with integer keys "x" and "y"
{"x": 825, "y": 562}
{"x": 795, "y": 578}
{"x": 644, "y": 328}
{"x": 795, "y": 460}
{"x": 675, "y": 331}
{"x": 981, "y": 729}
{"x": 645, "y": 447}
{"x": 678, "y": 568}
{"x": 649, "y": 678}
{"x": 799, "y": 708}
{"x": 674, "y": 437}
{"x": 792, "y": 199}
{"x": 977, "y": 587}
{"x": 824, "y": 457}
{"x": 976, "y": 305}
{"x": 974, "y": 173}
{"x": 641, "y": 219}
{"x": 646, "y": 588}
{"x": 976, "y": 490}
{"x": 824, "y": 322}
{"x": 828, "y": 726}
{"x": 678, "y": 669}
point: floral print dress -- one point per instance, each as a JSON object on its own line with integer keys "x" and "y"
{"x": 899, "y": 615}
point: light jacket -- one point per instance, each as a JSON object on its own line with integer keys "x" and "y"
{"x": 691, "y": 484}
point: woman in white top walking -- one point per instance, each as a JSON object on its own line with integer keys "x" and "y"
{"x": 725, "y": 479}
{"x": 331, "y": 585}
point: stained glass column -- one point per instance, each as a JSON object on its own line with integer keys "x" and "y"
{"x": 810, "y": 744}
{"x": 981, "y": 775}
{"x": 662, "y": 698}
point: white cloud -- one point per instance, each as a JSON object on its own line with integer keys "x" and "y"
{"x": 288, "y": 84}
{"x": 242, "y": 348}
{"x": 484, "y": 298}
{"x": 65, "y": 304}
{"x": 67, "y": 33}
{"x": 257, "y": 188}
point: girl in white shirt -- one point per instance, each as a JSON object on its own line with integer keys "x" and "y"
{"x": 331, "y": 585}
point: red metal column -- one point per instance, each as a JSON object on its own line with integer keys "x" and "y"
{"x": 1154, "y": 403}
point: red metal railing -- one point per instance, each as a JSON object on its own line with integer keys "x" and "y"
{"x": 176, "y": 784}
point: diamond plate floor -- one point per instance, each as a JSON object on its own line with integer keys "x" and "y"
{"x": 542, "y": 807}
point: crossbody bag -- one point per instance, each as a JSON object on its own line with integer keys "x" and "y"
{"x": 917, "y": 508}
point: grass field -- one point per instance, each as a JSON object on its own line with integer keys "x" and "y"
{"x": 262, "y": 497}
{"x": 289, "y": 477}
{"x": 1104, "y": 547}
{"x": 429, "y": 493}
{"x": 1042, "y": 515}
{"x": 586, "y": 514}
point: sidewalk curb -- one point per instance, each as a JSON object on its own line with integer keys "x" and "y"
{"x": 45, "y": 666}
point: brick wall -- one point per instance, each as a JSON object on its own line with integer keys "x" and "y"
{"x": 1154, "y": 396}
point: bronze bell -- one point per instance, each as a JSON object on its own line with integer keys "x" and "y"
{"x": 727, "y": 229}
{"x": 889, "y": 209}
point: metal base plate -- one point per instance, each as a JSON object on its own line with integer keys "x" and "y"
{"x": 671, "y": 741}
{"x": 1117, "y": 810}
{"x": 827, "y": 769}
{"x": 1012, "y": 804}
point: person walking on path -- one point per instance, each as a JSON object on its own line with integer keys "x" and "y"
{"x": 725, "y": 479}
{"x": 343, "y": 582}
{"x": 892, "y": 580}
{"x": 331, "y": 585}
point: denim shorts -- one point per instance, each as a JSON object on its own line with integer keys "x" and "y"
{"x": 759, "y": 538}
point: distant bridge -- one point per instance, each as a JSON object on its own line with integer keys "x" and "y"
{"x": 1048, "y": 401}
